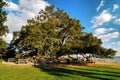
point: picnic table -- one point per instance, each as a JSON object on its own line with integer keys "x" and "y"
{"x": 22, "y": 61}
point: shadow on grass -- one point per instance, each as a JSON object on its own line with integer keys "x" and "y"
{"x": 104, "y": 72}
{"x": 70, "y": 72}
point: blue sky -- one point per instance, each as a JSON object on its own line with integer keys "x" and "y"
{"x": 101, "y": 17}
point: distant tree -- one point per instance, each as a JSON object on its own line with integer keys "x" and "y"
{"x": 3, "y": 17}
{"x": 108, "y": 53}
{"x": 3, "y": 28}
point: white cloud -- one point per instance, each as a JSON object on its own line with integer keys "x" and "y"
{"x": 117, "y": 21}
{"x": 100, "y": 5}
{"x": 104, "y": 17}
{"x": 14, "y": 22}
{"x": 118, "y": 51}
{"x": 21, "y": 12}
{"x": 12, "y": 6}
{"x": 109, "y": 36}
{"x": 100, "y": 31}
{"x": 24, "y": 10}
{"x": 8, "y": 37}
{"x": 116, "y": 43}
{"x": 114, "y": 46}
{"x": 33, "y": 5}
{"x": 115, "y": 7}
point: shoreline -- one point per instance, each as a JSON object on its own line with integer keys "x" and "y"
{"x": 106, "y": 63}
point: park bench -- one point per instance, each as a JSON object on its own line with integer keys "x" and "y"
{"x": 22, "y": 61}
{"x": 11, "y": 60}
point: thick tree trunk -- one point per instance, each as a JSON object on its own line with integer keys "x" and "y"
{"x": 1, "y": 57}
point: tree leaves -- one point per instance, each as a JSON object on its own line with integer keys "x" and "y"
{"x": 3, "y": 18}
{"x": 54, "y": 33}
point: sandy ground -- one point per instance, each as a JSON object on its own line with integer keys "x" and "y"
{"x": 11, "y": 63}
{"x": 97, "y": 63}
{"x": 111, "y": 64}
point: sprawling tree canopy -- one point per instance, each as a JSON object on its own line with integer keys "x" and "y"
{"x": 54, "y": 33}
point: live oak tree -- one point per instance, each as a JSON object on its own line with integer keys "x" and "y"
{"x": 54, "y": 33}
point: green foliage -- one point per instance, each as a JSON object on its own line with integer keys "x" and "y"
{"x": 54, "y": 33}
{"x": 108, "y": 53}
{"x": 3, "y": 17}
{"x": 3, "y": 28}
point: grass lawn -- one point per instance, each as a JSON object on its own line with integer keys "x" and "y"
{"x": 22, "y": 72}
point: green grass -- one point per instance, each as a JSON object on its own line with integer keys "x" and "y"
{"x": 17, "y": 72}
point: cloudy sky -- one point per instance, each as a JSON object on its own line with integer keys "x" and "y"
{"x": 101, "y": 17}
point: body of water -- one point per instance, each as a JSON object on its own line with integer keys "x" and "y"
{"x": 115, "y": 59}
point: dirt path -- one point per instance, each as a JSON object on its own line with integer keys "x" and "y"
{"x": 98, "y": 63}
{"x": 11, "y": 63}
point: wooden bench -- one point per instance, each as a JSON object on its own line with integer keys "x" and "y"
{"x": 11, "y": 60}
{"x": 22, "y": 61}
